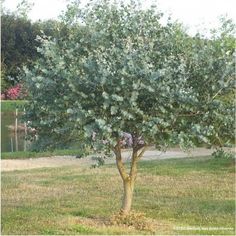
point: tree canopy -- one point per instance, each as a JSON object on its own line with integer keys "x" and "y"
{"x": 122, "y": 71}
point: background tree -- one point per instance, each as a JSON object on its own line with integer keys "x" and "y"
{"x": 120, "y": 71}
{"x": 18, "y": 41}
{"x": 23, "y": 8}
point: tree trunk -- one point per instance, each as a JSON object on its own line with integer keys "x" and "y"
{"x": 128, "y": 179}
{"x": 128, "y": 196}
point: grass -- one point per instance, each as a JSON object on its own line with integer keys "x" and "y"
{"x": 191, "y": 192}
{"x": 28, "y": 154}
{"x": 11, "y": 105}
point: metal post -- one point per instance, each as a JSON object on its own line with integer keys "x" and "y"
{"x": 11, "y": 145}
{"x": 16, "y": 129}
{"x": 25, "y": 126}
{"x": 16, "y": 121}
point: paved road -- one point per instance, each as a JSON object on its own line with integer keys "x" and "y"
{"x": 58, "y": 161}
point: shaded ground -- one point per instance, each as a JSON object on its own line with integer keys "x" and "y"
{"x": 59, "y": 161}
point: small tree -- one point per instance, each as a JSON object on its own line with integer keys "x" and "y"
{"x": 120, "y": 71}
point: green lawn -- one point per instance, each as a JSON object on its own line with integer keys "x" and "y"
{"x": 196, "y": 192}
{"x": 11, "y": 105}
{"x": 28, "y": 154}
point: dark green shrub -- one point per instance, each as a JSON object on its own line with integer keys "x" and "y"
{"x": 220, "y": 153}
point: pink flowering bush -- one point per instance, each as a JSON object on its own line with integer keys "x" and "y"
{"x": 14, "y": 93}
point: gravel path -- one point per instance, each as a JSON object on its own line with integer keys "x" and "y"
{"x": 58, "y": 161}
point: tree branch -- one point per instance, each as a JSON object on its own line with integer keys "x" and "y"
{"x": 133, "y": 168}
{"x": 220, "y": 90}
{"x": 135, "y": 158}
{"x": 142, "y": 152}
{"x": 119, "y": 163}
{"x": 191, "y": 114}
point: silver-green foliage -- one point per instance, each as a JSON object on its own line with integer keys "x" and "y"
{"x": 120, "y": 70}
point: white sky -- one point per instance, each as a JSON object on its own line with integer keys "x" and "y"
{"x": 196, "y": 14}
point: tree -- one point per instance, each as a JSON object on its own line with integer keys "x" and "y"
{"x": 120, "y": 71}
{"x": 23, "y": 8}
{"x": 18, "y": 44}
{"x": 18, "y": 40}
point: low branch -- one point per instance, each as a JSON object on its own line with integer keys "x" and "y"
{"x": 133, "y": 168}
{"x": 138, "y": 147}
{"x": 135, "y": 158}
{"x": 142, "y": 152}
{"x": 119, "y": 163}
{"x": 219, "y": 91}
{"x": 192, "y": 114}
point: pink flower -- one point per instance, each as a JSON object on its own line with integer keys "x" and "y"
{"x": 14, "y": 93}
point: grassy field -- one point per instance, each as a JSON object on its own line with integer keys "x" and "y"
{"x": 11, "y": 105}
{"x": 196, "y": 192}
{"x": 28, "y": 154}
